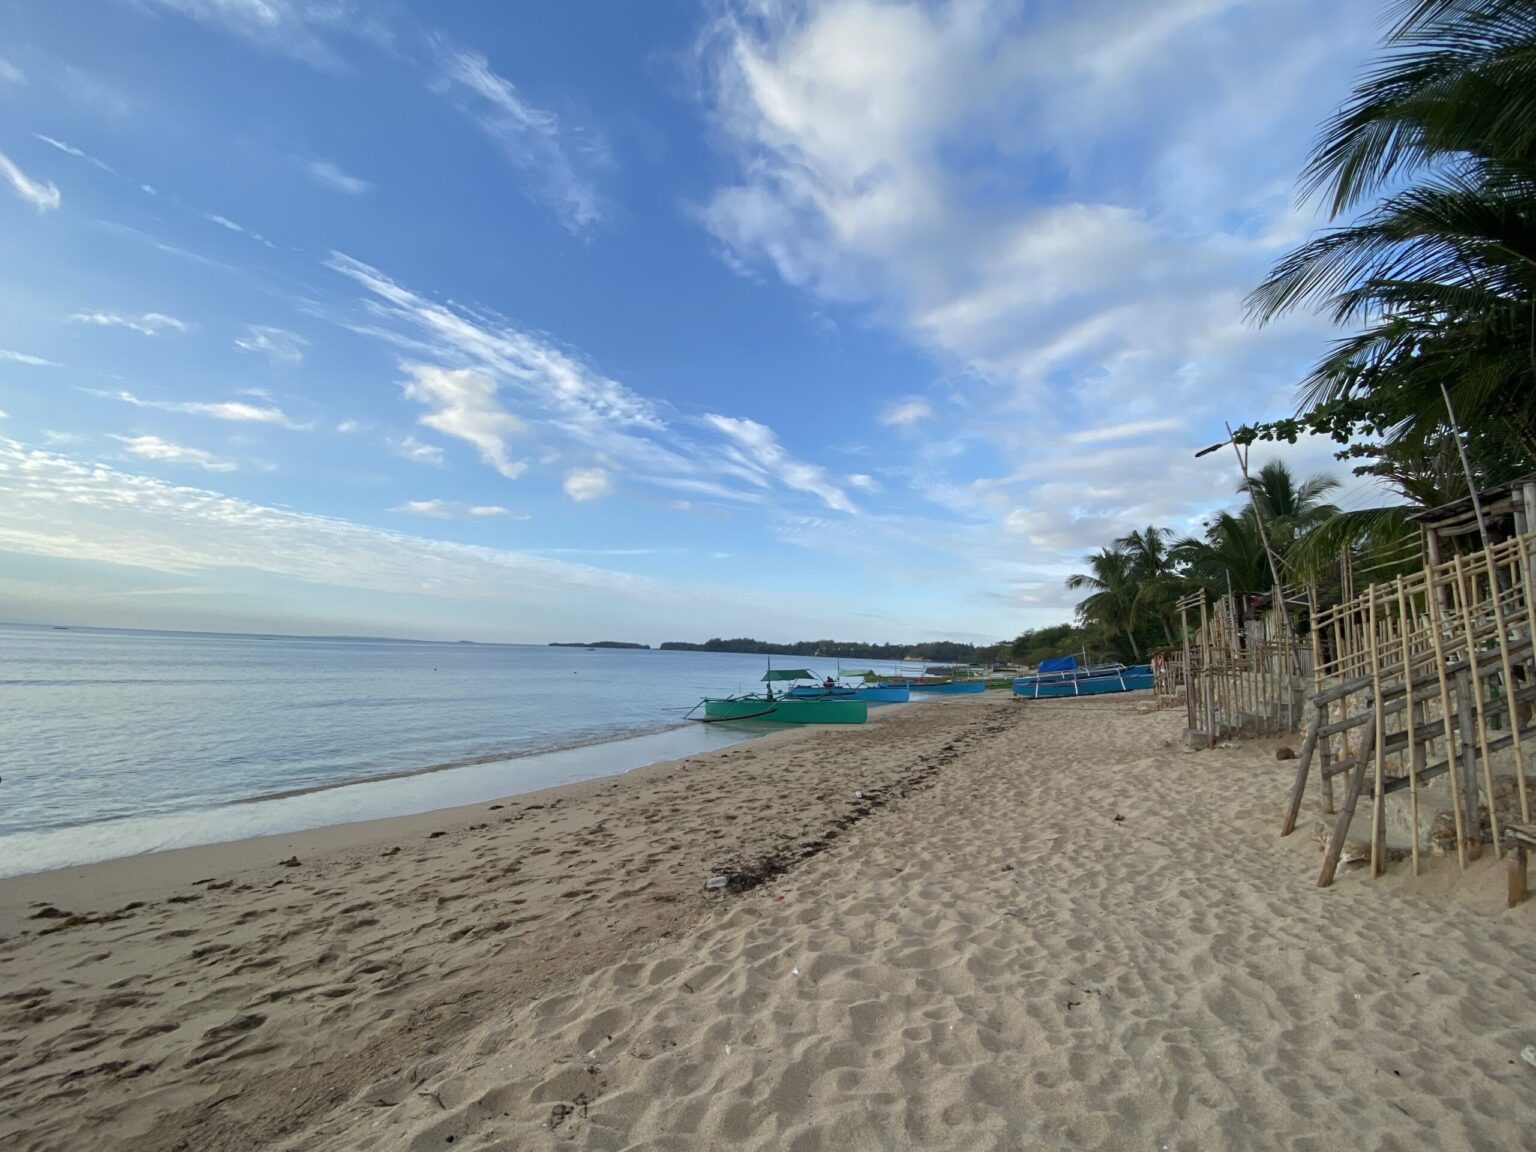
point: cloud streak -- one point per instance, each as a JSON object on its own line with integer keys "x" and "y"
{"x": 328, "y": 174}
{"x": 165, "y": 452}
{"x": 455, "y": 510}
{"x": 235, "y": 411}
{"x": 44, "y": 195}
{"x": 278, "y": 344}
{"x": 559, "y": 164}
{"x": 148, "y": 324}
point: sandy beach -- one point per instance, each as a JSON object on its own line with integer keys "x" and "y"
{"x": 969, "y": 924}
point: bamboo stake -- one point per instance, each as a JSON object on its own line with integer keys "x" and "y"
{"x": 1438, "y": 640}
{"x": 1379, "y": 801}
{"x": 1415, "y": 752}
{"x": 1509, "y": 691}
{"x": 1481, "y": 713}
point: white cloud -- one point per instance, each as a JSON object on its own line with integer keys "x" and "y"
{"x": 154, "y": 448}
{"x": 757, "y": 450}
{"x": 236, "y": 411}
{"x": 910, "y": 410}
{"x": 149, "y": 324}
{"x": 24, "y": 358}
{"x": 10, "y": 74}
{"x": 558, "y": 162}
{"x": 79, "y": 510}
{"x": 329, "y": 174}
{"x": 43, "y": 196}
{"x": 588, "y": 484}
{"x": 1064, "y": 204}
{"x": 863, "y": 482}
{"x": 417, "y": 451}
{"x": 223, "y": 221}
{"x": 71, "y": 150}
{"x": 1127, "y": 431}
{"x": 454, "y": 510}
{"x": 463, "y": 405}
{"x": 282, "y": 346}
{"x": 345, "y": 426}
{"x": 4, "y": 415}
{"x": 525, "y": 378}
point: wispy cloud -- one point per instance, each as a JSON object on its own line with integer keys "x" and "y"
{"x": 147, "y": 324}
{"x": 909, "y": 410}
{"x": 236, "y": 411}
{"x": 1127, "y": 431}
{"x": 417, "y": 451}
{"x": 583, "y": 484}
{"x": 524, "y": 379}
{"x": 163, "y": 451}
{"x": 10, "y": 74}
{"x": 454, "y": 510}
{"x": 282, "y": 346}
{"x": 559, "y": 163}
{"x": 291, "y": 27}
{"x": 79, "y": 154}
{"x": 755, "y": 447}
{"x": 347, "y": 426}
{"x": 24, "y": 358}
{"x": 44, "y": 196}
{"x": 462, "y": 403}
{"x": 328, "y": 174}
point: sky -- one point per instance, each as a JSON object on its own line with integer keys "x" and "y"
{"x": 636, "y": 321}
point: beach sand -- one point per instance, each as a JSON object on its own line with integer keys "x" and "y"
{"x": 1043, "y": 925}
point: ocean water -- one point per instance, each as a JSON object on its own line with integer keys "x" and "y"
{"x": 117, "y": 742}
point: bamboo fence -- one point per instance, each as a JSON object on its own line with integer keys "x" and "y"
{"x": 1423, "y": 676}
{"x": 1243, "y": 674}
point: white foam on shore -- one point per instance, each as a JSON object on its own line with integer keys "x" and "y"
{"x": 38, "y": 851}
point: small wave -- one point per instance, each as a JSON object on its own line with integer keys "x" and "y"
{"x": 465, "y": 762}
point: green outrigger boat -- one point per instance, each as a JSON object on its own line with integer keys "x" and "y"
{"x": 782, "y": 708}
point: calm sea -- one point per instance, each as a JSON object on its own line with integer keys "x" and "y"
{"x": 118, "y": 742}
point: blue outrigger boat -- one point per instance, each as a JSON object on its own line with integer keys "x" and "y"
{"x": 1062, "y": 678}
{"x": 952, "y": 687}
{"x": 838, "y": 687}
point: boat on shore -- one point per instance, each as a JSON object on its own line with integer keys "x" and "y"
{"x": 784, "y": 707}
{"x": 1059, "y": 679}
{"x": 843, "y": 687}
{"x": 951, "y": 687}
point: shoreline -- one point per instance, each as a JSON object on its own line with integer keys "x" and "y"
{"x": 389, "y": 795}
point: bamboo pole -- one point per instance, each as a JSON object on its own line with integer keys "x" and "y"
{"x": 1481, "y": 714}
{"x": 1509, "y": 690}
{"x": 1437, "y": 637}
{"x": 1379, "y": 801}
{"x": 1415, "y": 752}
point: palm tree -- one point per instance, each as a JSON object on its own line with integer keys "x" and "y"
{"x": 1230, "y": 558}
{"x": 1114, "y": 603}
{"x": 1152, "y": 568}
{"x": 1441, "y": 271}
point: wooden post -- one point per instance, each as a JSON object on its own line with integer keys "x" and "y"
{"x": 1517, "y": 876}
{"x": 1304, "y": 762}
{"x": 1481, "y": 712}
{"x": 1474, "y": 835}
{"x": 1415, "y": 752}
{"x": 1379, "y": 800}
{"x": 1347, "y": 812}
{"x": 1446, "y": 721}
{"x": 1508, "y": 669}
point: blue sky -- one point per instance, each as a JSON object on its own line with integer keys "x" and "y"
{"x": 640, "y": 321}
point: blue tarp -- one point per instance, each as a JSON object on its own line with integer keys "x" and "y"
{"x": 1059, "y": 664}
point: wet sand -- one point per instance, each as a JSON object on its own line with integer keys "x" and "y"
{"x": 1042, "y": 925}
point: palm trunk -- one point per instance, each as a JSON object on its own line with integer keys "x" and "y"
{"x": 1135, "y": 651}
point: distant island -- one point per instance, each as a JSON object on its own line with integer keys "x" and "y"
{"x": 932, "y": 651}
{"x": 597, "y": 644}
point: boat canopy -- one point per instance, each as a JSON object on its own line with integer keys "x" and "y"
{"x": 789, "y": 674}
{"x": 1059, "y": 664}
{"x": 858, "y": 672}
